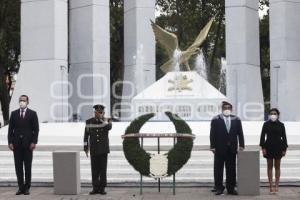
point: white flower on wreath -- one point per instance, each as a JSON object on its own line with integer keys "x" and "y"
{"x": 158, "y": 166}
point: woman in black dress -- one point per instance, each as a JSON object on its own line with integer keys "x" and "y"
{"x": 273, "y": 143}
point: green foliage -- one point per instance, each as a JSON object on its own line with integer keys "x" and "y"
{"x": 265, "y": 58}
{"x": 181, "y": 152}
{"x": 9, "y": 33}
{"x": 136, "y": 155}
{"x": 263, "y": 3}
{"x": 116, "y": 48}
{"x": 9, "y": 49}
{"x": 139, "y": 158}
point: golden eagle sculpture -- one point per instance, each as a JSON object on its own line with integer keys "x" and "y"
{"x": 170, "y": 42}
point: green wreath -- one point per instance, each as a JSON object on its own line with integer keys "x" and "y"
{"x": 139, "y": 158}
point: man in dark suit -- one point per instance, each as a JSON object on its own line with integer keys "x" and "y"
{"x": 22, "y": 137}
{"x": 97, "y": 142}
{"x": 226, "y": 134}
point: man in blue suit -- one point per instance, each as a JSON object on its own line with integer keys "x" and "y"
{"x": 226, "y": 138}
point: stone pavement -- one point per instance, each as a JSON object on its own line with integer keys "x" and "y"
{"x": 199, "y": 193}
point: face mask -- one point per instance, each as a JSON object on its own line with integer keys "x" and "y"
{"x": 273, "y": 117}
{"x": 23, "y": 104}
{"x": 227, "y": 112}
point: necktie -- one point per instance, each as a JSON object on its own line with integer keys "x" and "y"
{"x": 227, "y": 124}
{"x": 22, "y": 114}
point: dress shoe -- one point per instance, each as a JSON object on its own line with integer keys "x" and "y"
{"x": 232, "y": 192}
{"x": 26, "y": 192}
{"x": 94, "y": 192}
{"x": 219, "y": 192}
{"x": 102, "y": 191}
{"x": 19, "y": 192}
{"x": 213, "y": 190}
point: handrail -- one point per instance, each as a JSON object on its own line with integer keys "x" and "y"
{"x": 158, "y": 135}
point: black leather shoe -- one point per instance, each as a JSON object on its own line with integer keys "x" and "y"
{"x": 233, "y": 192}
{"x": 213, "y": 190}
{"x": 219, "y": 192}
{"x": 94, "y": 192}
{"x": 19, "y": 192}
{"x": 102, "y": 191}
{"x": 26, "y": 192}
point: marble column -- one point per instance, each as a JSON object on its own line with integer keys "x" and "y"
{"x": 244, "y": 85}
{"x": 139, "y": 50}
{"x": 285, "y": 57}
{"x": 89, "y": 56}
{"x": 44, "y": 59}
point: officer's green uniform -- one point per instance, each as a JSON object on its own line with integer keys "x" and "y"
{"x": 97, "y": 141}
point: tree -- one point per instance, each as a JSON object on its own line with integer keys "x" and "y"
{"x": 264, "y": 37}
{"x": 116, "y": 48}
{"x": 9, "y": 49}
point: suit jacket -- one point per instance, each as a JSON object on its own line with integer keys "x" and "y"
{"x": 96, "y": 136}
{"x": 220, "y": 139}
{"x": 23, "y": 131}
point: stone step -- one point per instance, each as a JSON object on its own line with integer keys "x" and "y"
{"x": 198, "y": 169}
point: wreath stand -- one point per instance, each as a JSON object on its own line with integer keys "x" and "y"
{"x": 141, "y": 136}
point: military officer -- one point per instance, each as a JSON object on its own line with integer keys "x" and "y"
{"x": 97, "y": 142}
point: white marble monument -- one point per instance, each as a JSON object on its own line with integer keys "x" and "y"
{"x": 285, "y": 57}
{"x": 244, "y": 86}
{"x": 44, "y": 58}
{"x": 186, "y": 93}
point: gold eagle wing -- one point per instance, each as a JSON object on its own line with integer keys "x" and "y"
{"x": 168, "y": 40}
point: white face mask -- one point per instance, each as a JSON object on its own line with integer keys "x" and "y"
{"x": 273, "y": 117}
{"x": 226, "y": 112}
{"x": 23, "y": 104}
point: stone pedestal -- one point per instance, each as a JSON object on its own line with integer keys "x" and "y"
{"x": 248, "y": 176}
{"x": 244, "y": 85}
{"x": 89, "y": 75}
{"x": 285, "y": 57}
{"x": 66, "y": 173}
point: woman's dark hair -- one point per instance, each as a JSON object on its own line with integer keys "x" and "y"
{"x": 274, "y": 110}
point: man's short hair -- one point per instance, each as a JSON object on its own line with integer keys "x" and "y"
{"x": 24, "y": 95}
{"x": 226, "y": 103}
